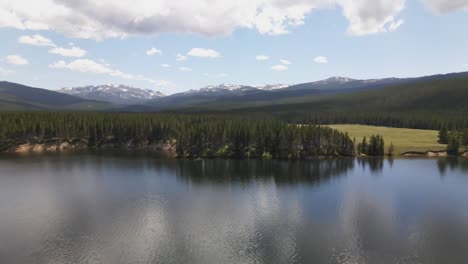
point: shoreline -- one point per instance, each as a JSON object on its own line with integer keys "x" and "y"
{"x": 168, "y": 148}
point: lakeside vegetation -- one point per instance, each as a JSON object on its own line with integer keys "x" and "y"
{"x": 200, "y": 136}
{"x": 402, "y": 140}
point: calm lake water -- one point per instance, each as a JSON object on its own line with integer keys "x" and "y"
{"x": 90, "y": 208}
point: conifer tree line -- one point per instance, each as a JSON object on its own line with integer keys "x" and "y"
{"x": 455, "y": 139}
{"x": 196, "y": 136}
{"x": 375, "y": 146}
{"x": 416, "y": 120}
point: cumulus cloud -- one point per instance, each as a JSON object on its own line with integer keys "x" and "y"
{"x": 372, "y": 16}
{"x": 16, "y": 60}
{"x": 285, "y": 62}
{"x": 153, "y": 51}
{"x": 185, "y": 69}
{"x": 71, "y": 52}
{"x": 321, "y": 60}
{"x": 88, "y": 19}
{"x": 203, "y": 53}
{"x": 36, "y": 40}
{"x": 164, "y": 65}
{"x": 279, "y": 67}
{"x": 445, "y": 6}
{"x": 262, "y": 57}
{"x": 90, "y": 66}
{"x": 82, "y": 65}
{"x": 180, "y": 57}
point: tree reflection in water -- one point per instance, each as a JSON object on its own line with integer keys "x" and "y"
{"x": 313, "y": 172}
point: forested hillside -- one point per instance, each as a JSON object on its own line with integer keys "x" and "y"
{"x": 425, "y": 105}
{"x": 195, "y": 136}
{"x": 15, "y": 96}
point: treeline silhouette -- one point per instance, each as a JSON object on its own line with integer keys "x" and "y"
{"x": 416, "y": 120}
{"x": 196, "y": 136}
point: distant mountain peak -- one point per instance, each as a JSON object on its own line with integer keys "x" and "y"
{"x": 114, "y": 93}
{"x": 217, "y": 88}
{"x": 270, "y": 87}
{"x": 237, "y": 87}
{"x": 339, "y": 79}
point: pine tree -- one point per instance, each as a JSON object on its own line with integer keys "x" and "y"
{"x": 443, "y": 135}
{"x": 453, "y": 145}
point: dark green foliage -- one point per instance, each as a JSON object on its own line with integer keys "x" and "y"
{"x": 422, "y": 105}
{"x": 443, "y": 135}
{"x": 453, "y": 146}
{"x": 363, "y": 147}
{"x": 375, "y": 147}
{"x": 15, "y": 96}
{"x": 196, "y": 136}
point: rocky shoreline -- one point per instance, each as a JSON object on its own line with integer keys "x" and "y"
{"x": 36, "y": 145}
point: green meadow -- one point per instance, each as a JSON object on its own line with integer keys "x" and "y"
{"x": 403, "y": 139}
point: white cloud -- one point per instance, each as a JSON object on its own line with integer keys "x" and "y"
{"x": 279, "y": 67}
{"x": 395, "y": 25}
{"x": 71, "y": 52}
{"x": 185, "y": 69}
{"x": 321, "y": 60}
{"x": 153, "y": 51}
{"x": 445, "y": 6}
{"x": 180, "y": 57}
{"x": 90, "y": 66}
{"x": 372, "y": 16}
{"x": 36, "y": 40}
{"x": 16, "y": 60}
{"x": 262, "y": 57}
{"x": 82, "y": 65}
{"x": 285, "y": 62}
{"x": 164, "y": 65}
{"x": 88, "y": 19}
{"x": 203, "y": 53}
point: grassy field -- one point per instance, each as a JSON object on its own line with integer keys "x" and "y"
{"x": 404, "y": 140}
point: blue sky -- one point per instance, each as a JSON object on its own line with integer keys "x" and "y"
{"x": 311, "y": 40}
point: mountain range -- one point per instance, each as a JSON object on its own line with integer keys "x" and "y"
{"x": 15, "y": 96}
{"x": 113, "y": 93}
{"x": 313, "y": 96}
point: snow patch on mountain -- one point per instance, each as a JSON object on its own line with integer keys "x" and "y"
{"x": 114, "y": 93}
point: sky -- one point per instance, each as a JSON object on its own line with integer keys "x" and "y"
{"x": 173, "y": 46}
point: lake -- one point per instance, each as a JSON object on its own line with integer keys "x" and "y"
{"x": 137, "y": 208}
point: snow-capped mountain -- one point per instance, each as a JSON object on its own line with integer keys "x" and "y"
{"x": 271, "y": 87}
{"x": 336, "y": 80}
{"x": 114, "y": 93}
{"x": 236, "y": 88}
{"x": 218, "y": 88}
